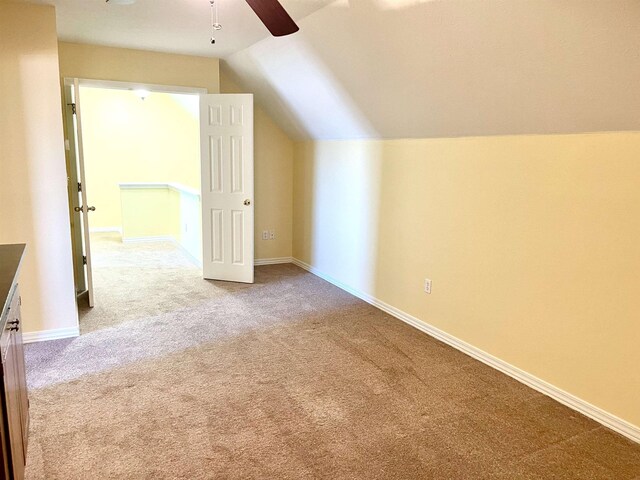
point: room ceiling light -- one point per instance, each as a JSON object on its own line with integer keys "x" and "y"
{"x": 142, "y": 93}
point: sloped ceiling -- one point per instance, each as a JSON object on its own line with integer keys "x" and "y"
{"x": 419, "y": 68}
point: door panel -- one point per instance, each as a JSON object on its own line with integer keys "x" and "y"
{"x": 237, "y": 237}
{"x": 78, "y": 205}
{"x": 83, "y": 193}
{"x": 216, "y": 235}
{"x": 226, "y": 133}
{"x": 216, "y": 164}
{"x": 237, "y": 183}
{"x": 75, "y": 217}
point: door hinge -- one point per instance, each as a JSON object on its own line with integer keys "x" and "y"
{"x": 79, "y": 186}
{"x": 73, "y": 108}
{"x": 84, "y": 259}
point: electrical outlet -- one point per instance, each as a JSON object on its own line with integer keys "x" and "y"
{"x": 427, "y": 285}
{"x": 272, "y": 235}
{"x": 265, "y": 234}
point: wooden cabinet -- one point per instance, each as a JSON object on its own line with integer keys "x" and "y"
{"x": 15, "y": 403}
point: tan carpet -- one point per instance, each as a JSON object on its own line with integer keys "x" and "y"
{"x": 175, "y": 377}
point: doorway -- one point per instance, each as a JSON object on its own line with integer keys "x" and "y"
{"x": 138, "y": 152}
{"x": 142, "y": 163}
{"x": 138, "y": 169}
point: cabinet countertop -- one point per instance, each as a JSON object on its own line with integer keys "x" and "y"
{"x": 10, "y": 259}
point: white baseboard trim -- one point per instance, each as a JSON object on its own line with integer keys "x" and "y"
{"x": 601, "y": 416}
{"x": 161, "y": 238}
{"x": 272, "y": 261}
{"x": 106, "y": 229}
{"x": 53, "y": 334}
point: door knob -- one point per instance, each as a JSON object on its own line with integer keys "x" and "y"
{"x": 92, "y": 209}
{"x": 80, "y": 209}
{"x": 247, "y": 202}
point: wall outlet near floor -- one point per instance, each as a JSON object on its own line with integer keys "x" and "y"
{"x": 265, "y": 234}
{"x": 427, "y": 285}
{"x": 272, "y": 235}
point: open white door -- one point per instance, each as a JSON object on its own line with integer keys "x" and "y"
{"x": 73, "y": 189}
{"x": 72, "y": 92}
{"x": 226, "y": 142}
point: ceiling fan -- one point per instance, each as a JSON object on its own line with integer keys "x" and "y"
{"x": 274, "y": 17}
{"x": 270, "y": 12}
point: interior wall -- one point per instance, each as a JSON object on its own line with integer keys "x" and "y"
{"x": 273, "y": 180}
{"x": 126, "y": 65}
{"x": 170, "y": 211}
{"x": 531, "y": 243}
{"x": 127, "y": 139}
{"x": 150, "y": 212}
{"x": 33, "y": 196}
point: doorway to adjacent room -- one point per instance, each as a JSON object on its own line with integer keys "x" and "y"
{"x": 136, "y": 155}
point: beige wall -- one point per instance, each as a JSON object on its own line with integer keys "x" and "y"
{"x": 273, "y": 172}
{"x": 33, "y": 196}
{"x": 127, "y": 139}
{"x": 125, "y": 65}
{"x": 531, "y": 243}
{"x": 150, "y": 212}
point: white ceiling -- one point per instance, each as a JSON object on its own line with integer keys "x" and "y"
{"x": 177, "y": 26}
{"x": 446, "y": 68}
{"x": 404, "y": 68}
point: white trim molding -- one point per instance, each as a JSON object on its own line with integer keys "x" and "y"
{"x": 272, "y": 261}
{"x": 53, "y": 334}
{"x": 178, "y": 187}
{"x": 599, "y": 415}
{"x": 116, "y": 85}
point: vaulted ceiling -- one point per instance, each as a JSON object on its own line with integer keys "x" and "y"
{"x": 405, "y": 68}
{"x": 418, "y": 68}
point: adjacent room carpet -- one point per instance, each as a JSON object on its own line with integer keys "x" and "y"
{"x": 175, "y": 377}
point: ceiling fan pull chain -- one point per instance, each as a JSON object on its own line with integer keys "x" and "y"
{"x": 215, "y": 25}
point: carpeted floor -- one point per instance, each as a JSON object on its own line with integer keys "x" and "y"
{"x": 175, "y": 377}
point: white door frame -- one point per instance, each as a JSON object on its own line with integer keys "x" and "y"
{"x": 151, "y": 87}
{"x": 84, "y": 208}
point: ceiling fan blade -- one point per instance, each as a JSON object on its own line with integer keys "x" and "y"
{"x": 274, "y": 17}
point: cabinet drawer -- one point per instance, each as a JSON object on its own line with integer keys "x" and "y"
{"x": 11, "y": 315}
